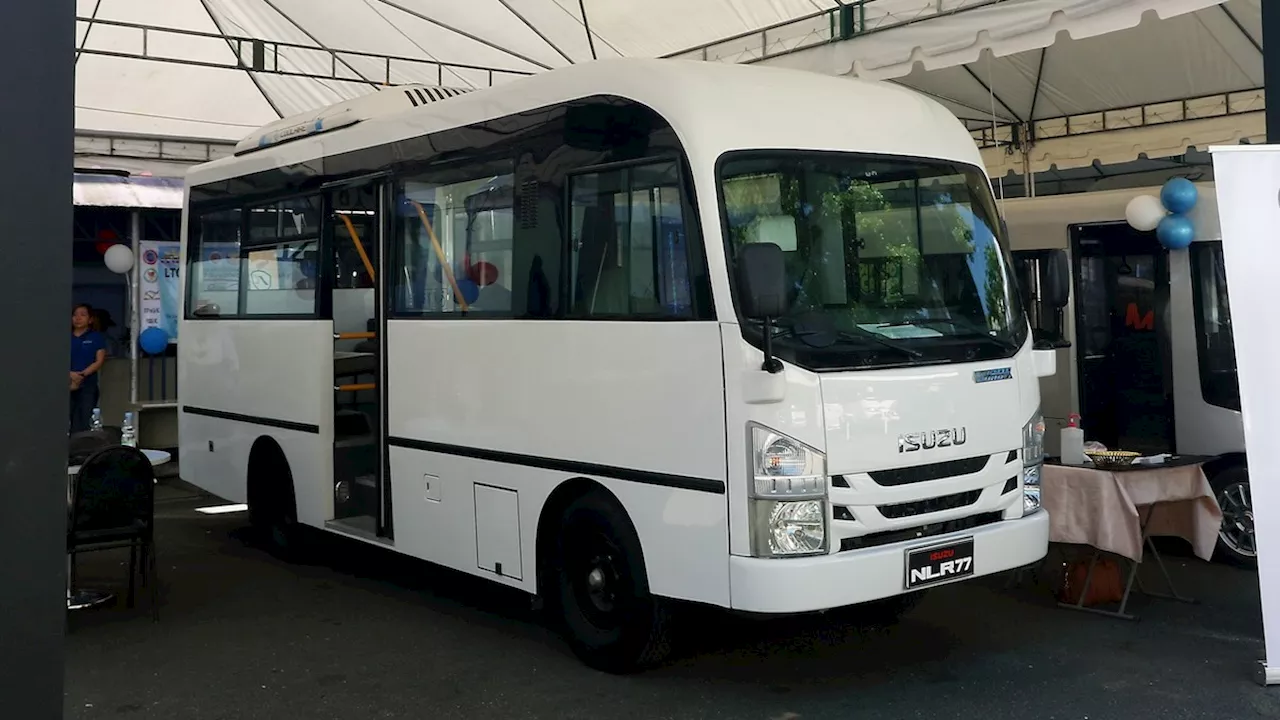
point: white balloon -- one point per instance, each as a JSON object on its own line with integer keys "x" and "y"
{"x": 119, "y": 259}
{"x": 1144, "y": 213}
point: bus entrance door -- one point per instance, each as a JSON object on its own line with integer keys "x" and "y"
{"x": 1125, "y": 373}
{"x": 354, "y": 235}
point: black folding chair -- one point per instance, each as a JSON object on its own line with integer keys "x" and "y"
{"x": 86, "y": 443}
{"x": 113, "y": 506}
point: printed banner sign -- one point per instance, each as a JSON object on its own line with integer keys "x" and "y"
{"x": 159, "y": 286}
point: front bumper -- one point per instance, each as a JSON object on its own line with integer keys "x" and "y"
{"x": 796, "y": 585}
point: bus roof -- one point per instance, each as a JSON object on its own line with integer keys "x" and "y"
{"x": 1045, "y": 221}
{"x": 713, "y": 107}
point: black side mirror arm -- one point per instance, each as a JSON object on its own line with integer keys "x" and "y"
{"x": 772, "y": 365}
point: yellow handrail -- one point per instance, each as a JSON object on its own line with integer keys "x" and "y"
{"x": 355, "y": 237}
{"x": 444, "y": 263}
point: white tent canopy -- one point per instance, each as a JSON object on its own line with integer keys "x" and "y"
{"x": 1068, "y": 83}
{"x": 1047, "y": 84}
{"x": 336, "y": 49}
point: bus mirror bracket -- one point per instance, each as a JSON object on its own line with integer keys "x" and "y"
{"x": 762, "y": 292}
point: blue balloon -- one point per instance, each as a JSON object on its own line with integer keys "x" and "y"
{"x": 1176, "y": 232}
{"x": 470, "y": 290}
{"x": 1179, "y": 195}
{"x": 153, "y": 340}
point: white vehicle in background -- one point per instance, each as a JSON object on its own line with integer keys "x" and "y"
{"x": 619, "y": 334}
{"x": 1151, "y": 365}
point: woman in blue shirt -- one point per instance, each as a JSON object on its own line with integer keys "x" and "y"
{"x": 88, "y": 353}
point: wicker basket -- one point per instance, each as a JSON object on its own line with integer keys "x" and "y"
{"x": 1104, "y": 459}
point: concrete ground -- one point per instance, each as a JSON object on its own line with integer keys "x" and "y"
{"x": 370, "y": 635}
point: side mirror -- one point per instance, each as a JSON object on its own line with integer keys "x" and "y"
{"x": 1055, "y": 285}
{"x": 762, "y": 281}
{"x": 762, "y": 292}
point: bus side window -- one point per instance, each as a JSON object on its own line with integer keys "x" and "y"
{"x": 630, "y": 258}
{"x": 280, "y": 258}
{"x": 213, "y": 260}
{"x": 454, "y": 242}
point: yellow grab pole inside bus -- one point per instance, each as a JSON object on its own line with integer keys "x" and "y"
{"x": 444, "y": 262}
{"x": 355, "y": 238}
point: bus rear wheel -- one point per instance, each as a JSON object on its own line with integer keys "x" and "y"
{"x": 273, "y": 515}
{"x": 1236, "y": 540}
{"x": 606, "y": 612}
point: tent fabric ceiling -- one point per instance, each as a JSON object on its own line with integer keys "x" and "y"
{"x": 116, "y": 93}
{"x": 992, "y": 62}
{"x": 1036, "y": 59}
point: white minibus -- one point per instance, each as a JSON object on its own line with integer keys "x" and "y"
{"x": 621, "y": 334}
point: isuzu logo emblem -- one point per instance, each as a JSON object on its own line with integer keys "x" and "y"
{"x": 931, "y": 439}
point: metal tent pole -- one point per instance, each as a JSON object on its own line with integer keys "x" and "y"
{"x": 135, "y": 316}
{"x": 35, "y": 201}
{"x": 1271, "y": 67}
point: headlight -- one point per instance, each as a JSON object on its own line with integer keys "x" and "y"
{"x": 789, "y": 496}
{"x": 1032, "y": 462}
{"x": 784, "y": 467}
{"x": 787, "y": 528}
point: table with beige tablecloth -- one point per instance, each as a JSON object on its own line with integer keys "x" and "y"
{"x": 1118, "y": 511}
{"x": 1105, "y": 509}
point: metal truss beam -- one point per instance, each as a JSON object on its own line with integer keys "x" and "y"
{"x": 1138, "y": 116}
{"x": 146, "y": 147}
{"x": 815, "y": 29}
{"x": 264, "y": 56}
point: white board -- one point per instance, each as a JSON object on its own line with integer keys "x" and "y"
{"x": 1248, "y": 189}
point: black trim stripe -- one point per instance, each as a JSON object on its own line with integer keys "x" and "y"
{"x": 571, "y": 467}
{"x": 252, "y": 419}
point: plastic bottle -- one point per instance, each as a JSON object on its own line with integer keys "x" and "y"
{"x": 96, "y": 422}
{"x": 1071, "y": 442}
{"x": 128, "y": 435}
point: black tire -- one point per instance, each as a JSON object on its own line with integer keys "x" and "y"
{"x": 273, "y": 515}
{"x": 602, "y": 600}
{"x": 1237, "y": 544}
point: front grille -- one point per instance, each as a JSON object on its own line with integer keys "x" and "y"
{"x": 920, "y": 532}
{"x": 925, "y": 473}
{"x": 931, "y": 505}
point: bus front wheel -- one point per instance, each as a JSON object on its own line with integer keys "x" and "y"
{"x": 606, "y": 612}
{"x": 1236, "y": 541}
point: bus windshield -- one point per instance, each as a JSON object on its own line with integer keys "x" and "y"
{"x": 890, "y": 261}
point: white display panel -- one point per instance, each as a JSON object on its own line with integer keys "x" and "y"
{"x": 1248, "y": 189}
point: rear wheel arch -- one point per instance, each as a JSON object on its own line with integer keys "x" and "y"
{"x": 269, "y": 479}
{"x": 273, "y": 510}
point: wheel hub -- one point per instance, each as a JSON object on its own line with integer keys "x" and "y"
{"x": 1237, "y": 515}
{"x": 595, "y": 579}
{"x": 601, "y": 584}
